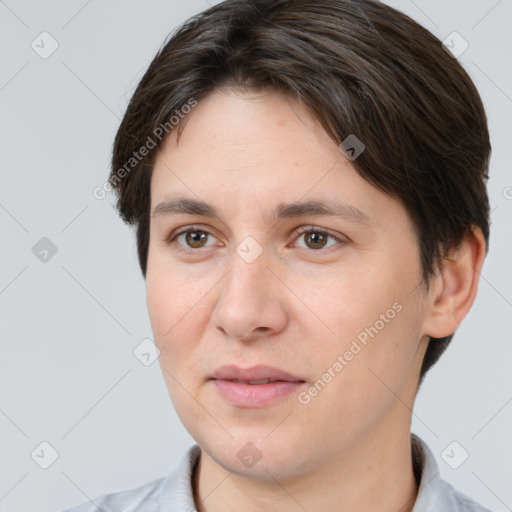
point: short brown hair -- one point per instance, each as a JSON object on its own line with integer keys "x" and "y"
{"x": 361, "y": 68}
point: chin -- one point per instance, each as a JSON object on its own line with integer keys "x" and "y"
{"x": 257, "y": 454}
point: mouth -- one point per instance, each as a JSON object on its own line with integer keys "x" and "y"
{"x": 256, "y": 382}
{"x": 254, "y": 374}
{"x": 258, "y": 386}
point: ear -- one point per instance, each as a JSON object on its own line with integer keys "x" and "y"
{"x": 454, "y": 291}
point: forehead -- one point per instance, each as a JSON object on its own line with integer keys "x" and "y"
{"x": 241, "y": 130}
{"x": 259, "y": 151}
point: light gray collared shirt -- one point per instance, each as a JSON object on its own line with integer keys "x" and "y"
{"x": 174, "y": 492}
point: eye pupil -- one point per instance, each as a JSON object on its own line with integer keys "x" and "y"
{"x": 195, "y": 238}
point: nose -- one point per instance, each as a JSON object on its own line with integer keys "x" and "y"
{"x": 252, "y": 301}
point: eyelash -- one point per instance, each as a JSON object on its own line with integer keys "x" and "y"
{"x": 301, "y": 231}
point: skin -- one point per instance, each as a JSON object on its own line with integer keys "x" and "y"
{"x": 296, "y": 307}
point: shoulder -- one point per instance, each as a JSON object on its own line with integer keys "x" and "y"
{"x": 433, "y": 492}
{"x": 176, "y": 487}
{"x": 141, "y": 499}
{"x": 459, "y": 502}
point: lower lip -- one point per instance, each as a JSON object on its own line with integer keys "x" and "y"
{"x": 255, "y": 395}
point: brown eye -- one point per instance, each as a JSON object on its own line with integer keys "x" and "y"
{"x": 195, "y": 239}
{"x": 190, "y": 239}
{"x": 316, "y": 239}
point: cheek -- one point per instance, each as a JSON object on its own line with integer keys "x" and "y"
{"x": 358, "y": 382}
{"x": 349, "y": 301}
{"x": 178, "y": 309}
{"x": 171, "y": 299}
{"x": 370, "y": 319}
{"x": 177, "y": 314}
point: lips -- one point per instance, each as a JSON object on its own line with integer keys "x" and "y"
{"x": 258, "y": 386}
{"x": 255, "y": 375}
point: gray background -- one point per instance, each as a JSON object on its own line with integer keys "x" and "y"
{"x": 68, "y": 375}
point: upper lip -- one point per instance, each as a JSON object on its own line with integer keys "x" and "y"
{"x": 259, "y": 372}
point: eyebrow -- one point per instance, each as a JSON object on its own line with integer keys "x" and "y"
{"x": 328, "y": 208}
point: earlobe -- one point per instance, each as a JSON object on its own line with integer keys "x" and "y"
{"x": 455, "y": 288}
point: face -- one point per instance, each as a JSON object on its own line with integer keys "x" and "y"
{"x": 321, "y": 308}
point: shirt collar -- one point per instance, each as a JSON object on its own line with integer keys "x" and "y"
{"x": 425, "y": 466}
{"x": 177, "y": 491}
